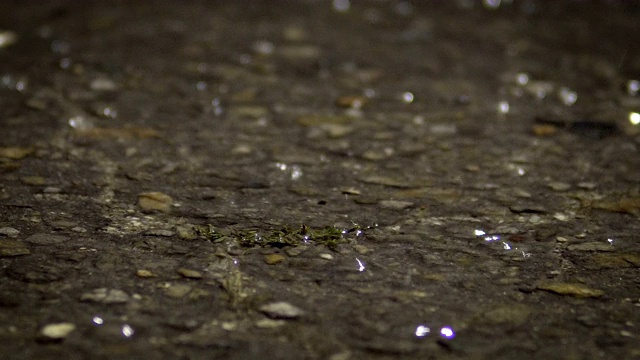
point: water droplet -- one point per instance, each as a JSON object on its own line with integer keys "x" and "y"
{"x": 97, "y": 320}
{"x": 65, "y": 63}
{"x": 447, "y": 332}
{"x": 633, "y": 87}
{"x": 506, "y": 246}
{"x": 491, "y": 4}
{"x": 407, "y": 97}
{"x": 80, "y": 122}
{"x": 127, "y": 330}
{"x": 479, "y": 232}
{"x": 567, "y": 96}
{"x": 522, "y": 79}
{"x": 201, "y": 86}
{"x": 634, "y": 118}
{"x": 361, "y": 267}
{"x": 296, "y": 172}
{"x": 503, "y": 107}
{"x": 422, "y": 331}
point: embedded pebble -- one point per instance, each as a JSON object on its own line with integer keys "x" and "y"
{"x": 15, "y": 153}
{"x": 591, "y": 246}
{"x": 155, "y": 201}
{"x": 103, "y": 84}
{"x": 273, "y": 259}
{"x": 351, "y": 101}
{"x": 33, "y": 180}
{"x": 361, "y": 249}
{"x": 281, "y": 310}
{"x": 46, "y": 239}
{"x": 106, "y": 296}
{"x": 572, "y": 289}
{"x": 559, "y": 186}
{"x": 396, "y": 204}
{"x": 57, "y": 331}
{"x": 9, "y": 248}
{"x": 7, "y": 37}
{"x": 9, "y": 231}
{"x": 269, "y": 323}
{"x": 159, "y": 232}
{"x": 295, "y": 251}
{"x": 190, "y": 274}
{"x": 326, "y": 256}
{"x": 144, "y": 273}
{"x": 177, "y": 290}
{"x": 511, "y": 315}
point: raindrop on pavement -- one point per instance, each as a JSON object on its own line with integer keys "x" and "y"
{"x": 633, "y": 87}
{"x": 447, "y": 332}
{"x": 407, "y": 97}
{"x": 127, "y": 330}
{"x": 422, "y": 331}
{"x": 567, "y": 96}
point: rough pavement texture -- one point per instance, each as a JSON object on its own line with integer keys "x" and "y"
{"x": 320, "y": 180}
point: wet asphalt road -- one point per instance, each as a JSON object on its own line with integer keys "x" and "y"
{"x": 319, "y": 180}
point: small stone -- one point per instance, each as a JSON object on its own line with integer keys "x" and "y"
{"x": 326, "y": 256}
{"x": 512, "y": 315}
{"x": 144, "y": 273}
{"x": 273, "y": 259}
{"x": 559, "y": 186}
{"x": 269, "y": 323}
{"x": 384, "y": 180}
{"x": 281, "y": 310}
{"x": 159, "y": 232}
{"x": 9, "y": 248}
{"x": 350, "y": 191}
{"x": 177, "y": 290}
{"x": 186, "y": 232}
{"x": 361, "y": 249}
{"x": 591, "y": 246}
{"x": 190, "y": 274}
{"x": 9, "y": 231}
{"x": 396, "y": 204}
{"x": 351, "y": 101}
{"x": 560, "y": 217}
{"x": 7, "y": 37}
{"x": 572, "y": 289}
{"x": 587, "y": 185}
{"x": 46, "y": 239}
{"x": 335, "y": 131}
{"x": 57, "y": 331}
{"x": 561, "y": 239}
{"x": 103, "y": 84}
{"x": 296, "y": 250}
{"x": 15, "y": 153}
{"x": 106, "y": 296}
{"x": 33, "y": 180}
{"x": 544, "y": 129}
{"x": 155, "y": 201}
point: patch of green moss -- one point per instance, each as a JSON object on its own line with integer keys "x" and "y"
{"x": 329, "y": 236}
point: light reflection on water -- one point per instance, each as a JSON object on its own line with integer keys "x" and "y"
{"x": 127, "y": 330}
{"x": 503, "y": 244}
